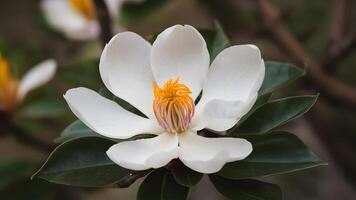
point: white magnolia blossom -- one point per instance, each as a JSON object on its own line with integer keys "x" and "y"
{"x": 13, "y": 92}
{"x": 162, "y": 81}
{"x": 76, "y": 19}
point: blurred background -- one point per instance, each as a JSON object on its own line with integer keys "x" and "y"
{"x": 319, "y": 35}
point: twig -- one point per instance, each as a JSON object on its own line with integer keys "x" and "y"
{"x": 338, "y": 51}
{"x": 340, "y": 40}
{"x": 341, "y": 14}
{"x": 131, "y": 178}
{"x": 331, "y": 87}
{"x": 104, "y": 18}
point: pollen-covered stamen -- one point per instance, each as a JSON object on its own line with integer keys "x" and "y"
{"x": 8, "y": 87}
{"x": 84, "y": 7}
{"x": 173, "y": 106}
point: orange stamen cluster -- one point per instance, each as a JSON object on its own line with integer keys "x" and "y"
{"x": 173, "y": 106}
{"x": 8, "y": 87}
{"x": 84, "y": 7}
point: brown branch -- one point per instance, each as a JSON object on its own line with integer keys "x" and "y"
{"x": 340, "y": 40}
{"x": 329, "y": 86}
{"x": 341, "y": 14}
{"x": 338, "y": 51}
{"x": 104, "y": 18}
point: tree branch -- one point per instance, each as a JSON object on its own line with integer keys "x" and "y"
{"x": 341, "y": 14}
{"x": 330, "y": 87}
{"x": 338, "y": 51}
{"x": 340, "y": 40}
{"x": 104, "y": 18}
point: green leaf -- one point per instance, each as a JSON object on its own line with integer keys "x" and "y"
{"x": 274, "y": 114}
{"x": 273, "y": 153}
{"x": 43, "y": 109}
{"x": 185, "y": 176}
{"x": 130, "y": 12}
{"x": 160, "y": 185}
{"x": 247, "y": 189}
{"x": 82, "y": 162}
{"x": 278, "y": 75}
{"x": 216, "y": 40}
{"x": 77, "y": 129}
{"x": 261, "y": 100}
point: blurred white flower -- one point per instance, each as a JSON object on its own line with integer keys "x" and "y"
{"x": 163, "y": 80}
{"x": 76, "y": 19}
{"x": 13, "y": 92}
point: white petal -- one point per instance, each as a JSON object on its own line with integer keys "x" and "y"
{"x": 230, "y": 88}
{"x": 64, "y": 18}
{"x": 36, "y": 77}
{"x": 125, "y": 70}
{"x": 106, "y": 117}
{"x": 209, "y": 155}
{"x": 180, "y": 52}
{"x": 145, "y": 153}
{"x": 221, "y": 115}
{"x": 235, "y": 74}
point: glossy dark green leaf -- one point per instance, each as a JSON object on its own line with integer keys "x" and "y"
{"x": 77, "y": 129}
{"x": 160, "y": 185}
{"x": 274, "y": 114}
{"x": 82, "y": 162}
{"x": 246, "y": 189}
{"x": 261, "y": 100}
{"x": 273, "y": 153}
{"x": 130, "y": 12}
{"x": 278, "y": 75}
{"x": 216, "y": 40}
{"x": 185, "y": 176}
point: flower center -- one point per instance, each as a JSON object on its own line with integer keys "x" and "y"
{"x": 8, "y": 87}
{"x": 173, "y": 106}
{"x": 84, "y": 7}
